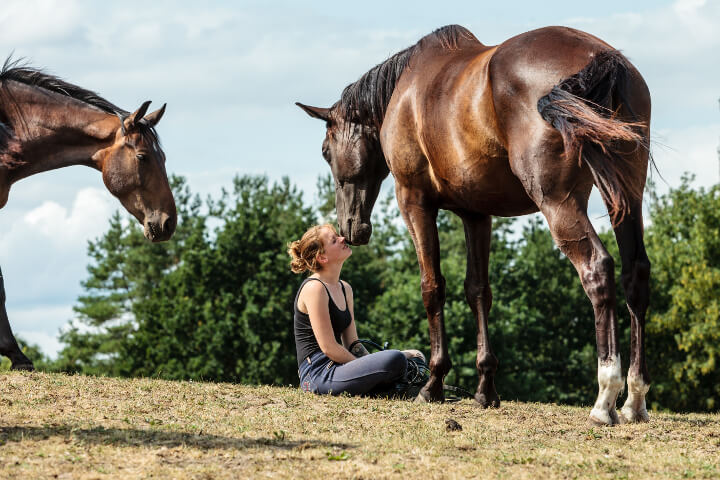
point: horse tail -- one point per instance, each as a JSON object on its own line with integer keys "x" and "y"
{"x": 584, "y": 109}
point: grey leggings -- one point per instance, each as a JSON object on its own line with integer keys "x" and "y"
{"x": 374, "y": 372}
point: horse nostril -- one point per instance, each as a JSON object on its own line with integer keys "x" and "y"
{"x": 168, "y": 225}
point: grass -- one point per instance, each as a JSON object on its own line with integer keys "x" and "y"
{"x": 58, "y": 426}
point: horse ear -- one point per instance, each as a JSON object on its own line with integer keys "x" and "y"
{"x": 315, "y": 112}
{"x": 134, "y": 117}
{"x": 151, "y": 119}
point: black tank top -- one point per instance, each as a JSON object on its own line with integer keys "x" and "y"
{"x": 305, "y": 341}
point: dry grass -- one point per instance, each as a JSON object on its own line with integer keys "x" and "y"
{"x": 57, "y": 426}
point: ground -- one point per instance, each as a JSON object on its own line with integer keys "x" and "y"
{"x": 58, "y": 426}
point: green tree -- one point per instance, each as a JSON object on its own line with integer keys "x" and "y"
{"x": 213, "y": 305}
{"x": 684, "y": 326}
{"x": 125, "y": 269}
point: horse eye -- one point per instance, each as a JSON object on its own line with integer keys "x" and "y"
{"x": 140, "y": 157}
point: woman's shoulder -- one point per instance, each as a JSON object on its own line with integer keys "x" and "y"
{"x": 347, "y": 286}
{"x": 313, "y": 286}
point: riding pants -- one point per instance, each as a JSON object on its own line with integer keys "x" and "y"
{"x": 318, "y": 374}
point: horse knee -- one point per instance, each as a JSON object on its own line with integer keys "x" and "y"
{"x": 433, "y": 293}
{"x": 440, "y": 365}
{"x": 642, "y": 269}
{"x": 478, "y": 292}
{"x": 486, "y": 363}
{"x": 599, "y": 281}
{"x": 636, "y": 283}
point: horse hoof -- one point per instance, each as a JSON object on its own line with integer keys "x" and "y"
{"x": 602, "y": 419}
{"x": 486, "y": 401}
{"x": 628, "y": 415}
{"x": 426, "y": 397}
{"x": 26, "y": 367}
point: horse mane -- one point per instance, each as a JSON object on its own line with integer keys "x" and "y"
{"x": 365, "y": 100}
{"x": 20, "y": 72}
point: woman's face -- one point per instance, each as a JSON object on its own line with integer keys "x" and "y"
{"x": 336, "y": 250}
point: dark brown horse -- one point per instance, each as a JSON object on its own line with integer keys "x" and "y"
{"x": 528, "y": 125}
{"x": 47, "y": 123}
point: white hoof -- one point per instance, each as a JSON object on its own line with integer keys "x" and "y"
{"x": 610, "y": 382}
{"x": 604, "y": 417}
{"x": 634, "y": 410}
{"x": 628, "y": 415}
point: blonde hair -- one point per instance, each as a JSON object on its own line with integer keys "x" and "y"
{"x": 304, "y": 252}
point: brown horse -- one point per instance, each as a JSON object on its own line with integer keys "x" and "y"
{"x": 528, "y": 125}
{"x": 47, "y": 123}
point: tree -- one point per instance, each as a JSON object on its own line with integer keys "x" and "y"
{"x": 214, "y": 306}
{"x": 684, "y": 325}
{"x": 125, "y": 269}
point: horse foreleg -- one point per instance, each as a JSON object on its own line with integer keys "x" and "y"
{"x": 420, "y": 221}
{"x": 479, "y": 297}
{"x": 635, "y": 279}
{"x": 8, "y": 344}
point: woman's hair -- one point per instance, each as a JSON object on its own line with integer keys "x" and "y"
{"x": 304, "y": 252}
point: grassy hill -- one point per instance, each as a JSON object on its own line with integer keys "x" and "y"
{"x": 58, "y": 426}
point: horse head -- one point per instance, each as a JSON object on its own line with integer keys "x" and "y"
{"x": 133, "y": 170}
{"x": 355, "y": 156}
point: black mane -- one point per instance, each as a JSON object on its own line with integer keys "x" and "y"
{"x": 17, "y": 71}
{"x": 365, "y": 100}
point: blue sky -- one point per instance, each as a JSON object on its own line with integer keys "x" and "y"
{"x": 231, "y": 72}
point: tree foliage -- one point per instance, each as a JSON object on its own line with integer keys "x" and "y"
{"x": 684, "y": 326}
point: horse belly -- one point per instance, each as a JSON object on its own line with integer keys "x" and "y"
{"x": 483, "y": 185}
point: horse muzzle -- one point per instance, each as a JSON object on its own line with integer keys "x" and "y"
{"x": 357, "y": 234}
{"x": 159, "y": 227}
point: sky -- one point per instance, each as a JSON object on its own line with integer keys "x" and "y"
{"x": 230, "y": 73}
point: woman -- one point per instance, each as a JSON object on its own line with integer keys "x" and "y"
{"x": 329, "y": 359}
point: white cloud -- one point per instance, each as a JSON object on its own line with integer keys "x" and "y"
{"x": 691, "y": 149}
{"x": 38, "y": 22}
{"x": 40, "y": 325}
{"x": 86, "y": 219}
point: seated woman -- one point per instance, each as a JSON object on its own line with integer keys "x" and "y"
{"x": 325, "y": 323}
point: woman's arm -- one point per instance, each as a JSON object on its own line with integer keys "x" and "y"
{"x": 350, "y": 334}
{"x": 316, "y": 301}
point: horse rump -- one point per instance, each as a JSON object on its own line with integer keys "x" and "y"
{"x": 584, "y": 108}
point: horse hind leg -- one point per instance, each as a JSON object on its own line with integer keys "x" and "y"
{"x": 577, "y": 239}
{"x": 8, "y": 344}
{"x": 635, "y": 280}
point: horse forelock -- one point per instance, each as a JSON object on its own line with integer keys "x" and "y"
{"x": 365, "y": 100}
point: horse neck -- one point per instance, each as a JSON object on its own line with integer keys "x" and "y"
{"x": 54, "y": 131}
